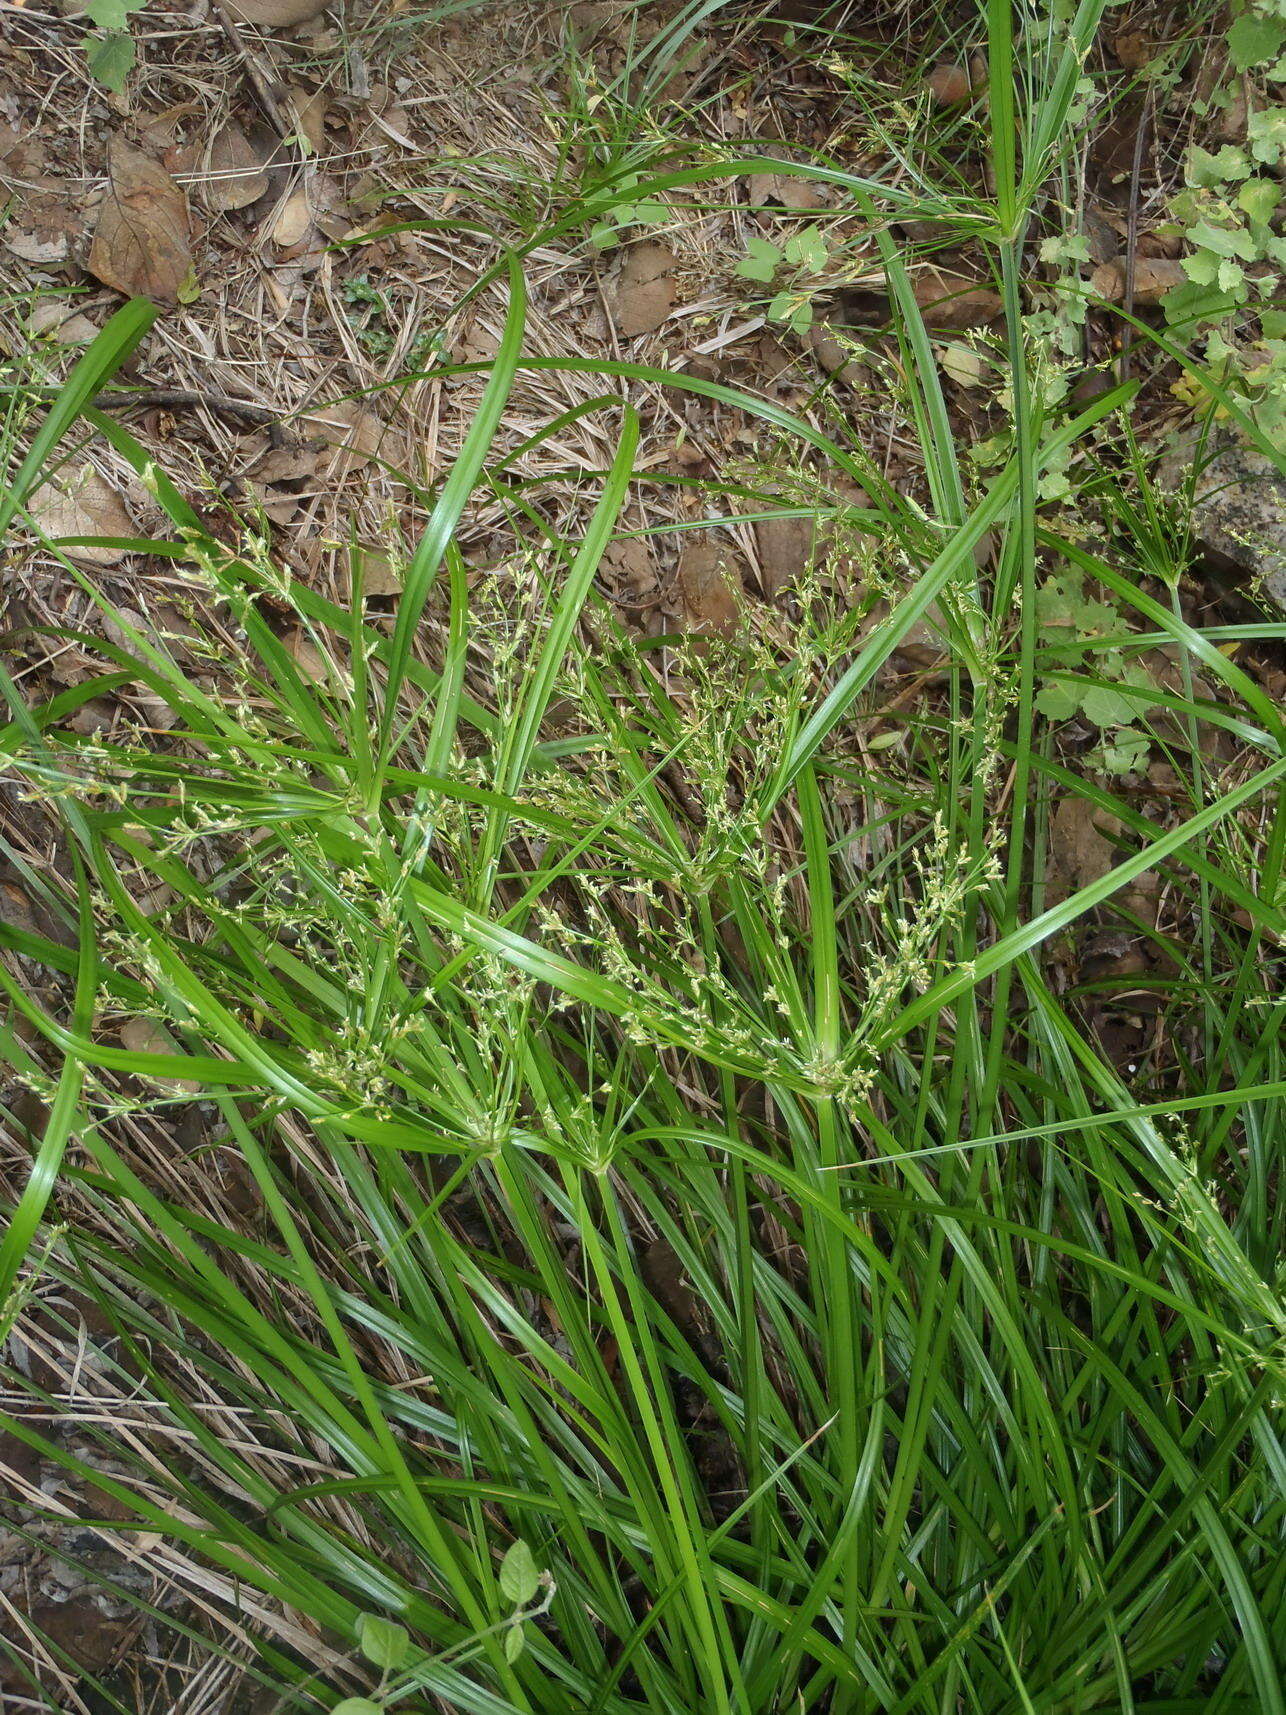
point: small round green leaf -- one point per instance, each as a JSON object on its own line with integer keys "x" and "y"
{"x": 383, "y": 1642}
{"x": 519, "y": 1579}
{"x": 358, "y": 1706}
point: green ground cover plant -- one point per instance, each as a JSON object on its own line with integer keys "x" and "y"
{"x": 700, "y": 1255}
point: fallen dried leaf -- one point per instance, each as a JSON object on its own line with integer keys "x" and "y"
{"x": 147, "y": 1036}
{"x": 1231, "y": 124}
{"x": 278, "y": 506}
{"x": 835, "y": 357}
{"x": 1102, "y": 236}
{"x": 381, "y": 573}
{"x": 97, "y": 715}
{"x": 285, "y": 464}
{"x": 15, "y": 909}
{"x": 475, "y": 343}
{"x": 140, "y": 242}
{"x": 963, "y": 364}
{"x": 356, "y": 433}
{"x": 307, "y": 110}
{"x": 293, "y": 221}
{"x": 273, "y": 14}
{"x": 954, "y": 301}
{"x": 312, "y": 664}
{"x": 1133, "y": 49}
{"x": 234, "y": 171}
{"x": 643, "y": 292}
{"x": 79, "y": 502}
{"x": 1154, "y": 276}
{"x": 626, "y": 567}
{"x": 1079, "y": 851}
{"x": 44, "y": 227}
{"x": 47, "y": 316}
{"x": 785, "y": 547}
{"x": 787, "y": 189}
{"x": 710, "y": 584}
{"x": 76, "y": 330}
{"x": 124, "y": 626}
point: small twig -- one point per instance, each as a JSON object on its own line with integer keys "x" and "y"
{"x": 219, "y": 402}
{"x": 1131, "y": 238}
{"x": 254, "y": 71}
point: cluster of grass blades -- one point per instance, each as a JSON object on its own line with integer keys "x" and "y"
{"x": 698, "y": 1260}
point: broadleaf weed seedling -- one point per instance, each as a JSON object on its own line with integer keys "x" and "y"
{"x": 1066, "y": 613}
{"x": 801, "y": 260}
{"x": 1227, "y": 215}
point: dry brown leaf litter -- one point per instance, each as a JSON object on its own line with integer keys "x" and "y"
{"x": 141, "y": 241}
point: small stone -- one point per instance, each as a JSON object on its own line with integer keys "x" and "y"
{"x": 949, "y": 85}
{"x": 1239, "y": 517}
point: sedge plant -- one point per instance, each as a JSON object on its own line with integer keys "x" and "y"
{"x": 699, "y": 1256}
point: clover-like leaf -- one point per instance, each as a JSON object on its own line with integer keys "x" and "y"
{"x": 761, "y": 260}
{"x": 808, "y": 249}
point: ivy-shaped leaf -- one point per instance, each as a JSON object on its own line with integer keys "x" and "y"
{"x": 1057, "y": 702}
{"x": 1207, "y": 171}
{"x": 1230, "y": 241}
{"x": 1106, "y": 707}
{"x": 1058, "y": 600}
{"x": 111, "y": 14}
{"x": 1266, "y": 133}
{"x": 111, "y": 58}
{"x": 1202, "y": 269}
{"x": 1195, "y": 302}
{"x": 1254, "y": 39}
{"x": 1127, "y": 752}
{"x": 1258, "y": 198}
